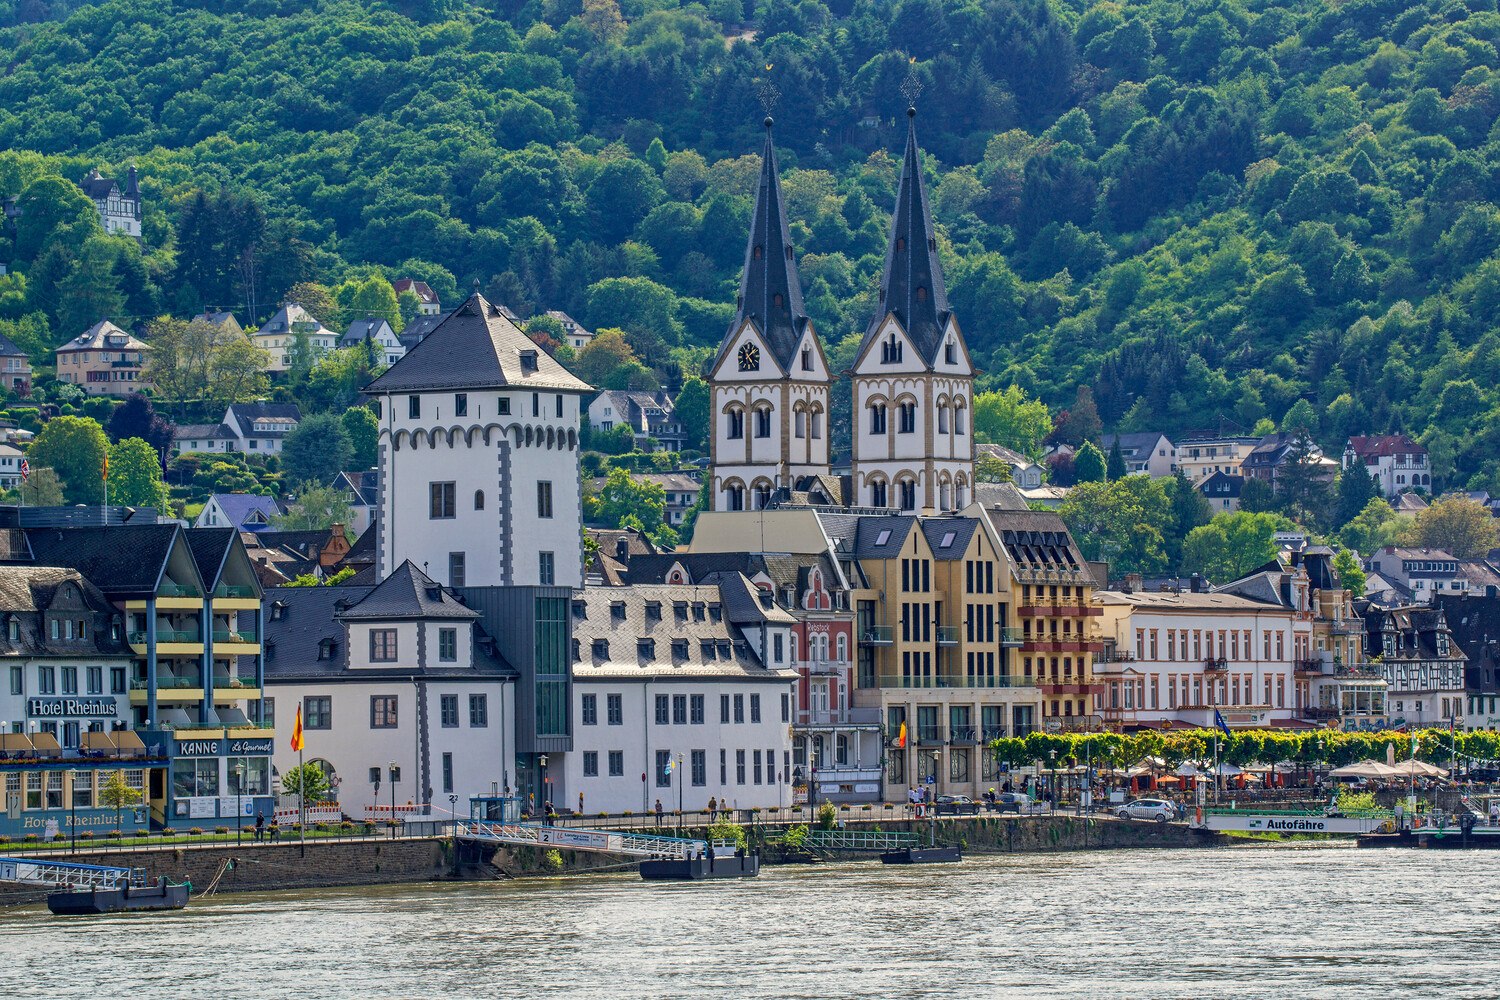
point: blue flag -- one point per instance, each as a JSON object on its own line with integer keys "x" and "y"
{"x": 666, "y": 772}
{"x": 1220, "y": 723}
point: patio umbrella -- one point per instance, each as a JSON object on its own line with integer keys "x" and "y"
{"x": 1420, "y": 768}
{"x": 1168, "y": 780}
{"x": 1227, "y": 770}
{"x": 1187, "y": 771}
{"x": 1366, "y": 769}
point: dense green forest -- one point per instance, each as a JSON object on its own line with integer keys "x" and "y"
{"x": 1209, "y": 211}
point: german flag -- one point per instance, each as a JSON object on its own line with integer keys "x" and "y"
{"x": 901, "y": 736}
{"x": 297, "y": 731}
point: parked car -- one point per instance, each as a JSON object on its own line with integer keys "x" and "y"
{"x": 1014, "y": 802}
{"x": 956, "y": 805}
{"x": 1158, "y": 809}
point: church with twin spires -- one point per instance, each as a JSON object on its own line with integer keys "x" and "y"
{"x": 912, "y": 378}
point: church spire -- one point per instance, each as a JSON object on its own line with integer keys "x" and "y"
{"x": 770, "y": 291}
{"x": 912, "y": 286}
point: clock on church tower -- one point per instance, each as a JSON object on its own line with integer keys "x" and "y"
{"x": 749, "y": 358}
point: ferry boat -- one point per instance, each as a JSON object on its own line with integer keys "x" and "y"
{"x": 922, "y": 856}
{"x": 718, "y": 862}
{"x": 163, "y": 895}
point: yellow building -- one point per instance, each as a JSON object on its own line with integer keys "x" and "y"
{"x": 104, "y": 360}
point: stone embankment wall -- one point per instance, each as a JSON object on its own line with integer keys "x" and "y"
{"x": 260, "y": 867}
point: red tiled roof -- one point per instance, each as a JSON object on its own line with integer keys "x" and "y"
{"x": 1377, "y": 445}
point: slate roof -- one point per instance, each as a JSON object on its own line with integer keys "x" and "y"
{"x": 93, "y": 339}
{"x": 120, "y": 559}
{"x": 96, "y": 186}
{"x": 1185, "y": 601}
{"x": 782, "y": 569}
{"x": 745, "y": 604}
{"x": 218, "y": 317}
{"x": 867, "y": 538}
{"x": 475, "y": 347}
{"x": 938, "y": 528}
{"x": 365, "y": 486}
{"x": 26, "y": 591}
{"x": 239, "y": 506}
{"x": 410, "y": 593}
{"x": 9, "y": 349}
{"x": 692, "y": 615}
{"x": 1132, "y": 444}
{"x": 371, "y": 327}
{"x": 210, "y": 547}
{"x": 1036, "y": 539}
{"x": 1221, "y": 485}
{"x": 287, "y": 318}
{"x": 202, "y": 432}
{"x": 770, "y": 289}
{"x": 417, "y": 330}
{"x": 1000, "y": 496}
{"x": 247, "y": 412}
{"x": 419, "y": 288}
{"x": 912, "y": 285}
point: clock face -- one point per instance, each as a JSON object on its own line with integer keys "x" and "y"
{"x": 749, "y": 358}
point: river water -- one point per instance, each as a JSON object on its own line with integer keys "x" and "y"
{"x": 1244, "y": 922}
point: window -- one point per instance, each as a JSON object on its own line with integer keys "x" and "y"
{"x": 383, "y": 711}
{"x": 317, "y": 712}
{"x": 414, "y": 407}
{"x": 13, "y": 629}
{"x": 448, "y": 704}
{"x": 382, "y": 645}
{"x": 908, "y": 489}
{"x": 663, "y": 776}
{"x": 679, "y": 710}
{"x": 877, "y": 494}
{"x": 877, "y": 418}
{"x": 461, "y": 404}
{"x": 663, "y": 710}
{"x": 696, "y": 712}
{"x": 763, "y": 422}
{"x": 536, "y": 400}
{"x": 907, "y": 414}
{"x": 545, "y": 571}
{"x": 448, "y": 645}
{"x": 724, "y": 709}
{"x": 18, "y": 679}
{"x": 739, "y": 708}
{"x": 70, "y": 678}
{"x": 590, "y": 711}
{"x": 700, "y": 768}
{"x": 479, "y": 499}
{"x": 739, "y": 767}
{"x": 544, "y": 499}
{"x": 47, "y": 678}
{"x": 616, "y": 763}
{"x": 479, "y": 711}
{"x": 448, "y": 766}
{"x": 456, "y": 569}
{"x": 590, "y": 764}
{"x": 786, "y": 708}
{"x": 96, "y": 680}
{"x": 736, "y": 425}
{"x": 503, "y": 405}
{"x": 807, "y": 359}
{"x": 755, "y": 708}
{"x": 614, "y": 709}
{"x": 442, "y": 501}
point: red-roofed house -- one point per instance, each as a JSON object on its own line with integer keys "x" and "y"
{"x": 430, "y": 305}
{"x": 1398, "y": 462}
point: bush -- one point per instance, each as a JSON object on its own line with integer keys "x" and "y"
{"x": 58, "y": 838}
{"x": 167, "y": 831}
{"x": 552, "y": 861}
{"x": 143, "y": 832}
{"x": 726, "y": 830}
{"x": 1351, "y": 801}
{"x": 828, "y": 815}
{"x": 796, "y": 836}
{"x": 32, "y": 838}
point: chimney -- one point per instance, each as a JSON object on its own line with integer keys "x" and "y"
{"x": 622, "y": 549}
{"x": 1195, "y": 584}
{"x": 1133, "y": 582}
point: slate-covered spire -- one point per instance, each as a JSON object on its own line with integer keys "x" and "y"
{"x": 912, "y": 286}
{"x": 770, "y": 290}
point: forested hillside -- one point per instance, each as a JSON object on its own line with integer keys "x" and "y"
{"x": 1207, "y": 210}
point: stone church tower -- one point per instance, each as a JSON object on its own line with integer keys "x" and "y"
{"x": 769, "y": 382}
{"x": 912, "y": 378}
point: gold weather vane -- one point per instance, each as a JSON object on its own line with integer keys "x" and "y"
{"x": 911, "y": 87}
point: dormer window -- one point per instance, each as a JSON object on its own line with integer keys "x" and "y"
{"x": 528, "y": 361}
{"x": 921, "y": 293}
{"x": 600, "y": 649}
{"x": 715, "y": 613}
{"x": 653, "y": 611}
{"x": 13, "y": 630}
{"x": 679, "y": 611}
{"x": 679, "y": 649}
{"x": 617, "y": 610}
{"x": 580, "y": 610}
{"x": 645, "y": 649}
{"x": 328, "y": 648}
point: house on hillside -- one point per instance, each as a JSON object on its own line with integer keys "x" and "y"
{"x": 282, "y": 331}
{"x": 649, "y": 415}
{"x": 1424, "y": 573}
{"x": 362, "y": 490}
{"x": 199, "y": 438}
{"x": 261, "y": 427}
{"x": 119, "y": 211}
{"x": 1222, "y": 491}
{"x": 1395, "y": 460}
{"x": 240, "y": 511}
{"x": 221, "y": 318}
{"x": 577, "y": 337}
{"x": 680, "y": 488}
{"x": 15, "y": 368}
{"x": 1271, "y": 455}
{"x": 430, "y": 305}
{"x": 1026, "y": 474}
{"x": 377, "y": 331}
{"x": 104, "y": 360}
{"x": 1201, "y": 456}
{"x": 1149, "y": 453}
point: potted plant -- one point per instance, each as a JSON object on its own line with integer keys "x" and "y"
{"x": 32, "y": 838}
{"x": 86, "y": 835}
{"x": 195, "y": 831}
{"x": 221, "y": 830}
{"x": 114, "y": 834}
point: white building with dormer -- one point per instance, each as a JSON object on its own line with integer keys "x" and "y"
{"x": 912, "y": 377}
{"x": 769, "y": 383}
{"x": 479, "y": 457}
{"x": 119, "y": 210}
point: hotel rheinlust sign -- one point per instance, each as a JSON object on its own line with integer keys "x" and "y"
{"x": 70, "y": 708}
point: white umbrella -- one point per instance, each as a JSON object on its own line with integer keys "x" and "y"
{"x": 1187, "y": 771}
{"x": 1420, "y": 768}
{"x": 1366, "y": 769}
{"x": 1227, "y": 770}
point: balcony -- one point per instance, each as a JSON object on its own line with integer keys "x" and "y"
{"x": 228, "y": 597}
{"x": 1216, "y": 663}
{"x": 235, "y": 684}
{"x": 963, "y": 736}
{"x": 1306, "y": 668}
{"x": 822, "y": 668}
{"x": 878, "y": 635}
{"x": 929, "y": 683}
{"x": 233, "y": 641}
{"x": 928, "y": 736}
{"x": 169, "y": 642}
{"x": 947, "y": 635}
{"x": 1012, "y": 638}
{"x": 862, "y": 718}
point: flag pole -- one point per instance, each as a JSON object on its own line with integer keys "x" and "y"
{"x": 301, "y": 802}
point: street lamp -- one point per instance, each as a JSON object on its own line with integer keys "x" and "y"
{"x": 937, "y": 758}
{"x": 541, "y": 762}
{"x": 239, "y": 803}
{"x": 453, "y": 820}
{"x": 395, "y": 776}
{"x": 73, "y": 808}
{"x": 1052, "y": 783}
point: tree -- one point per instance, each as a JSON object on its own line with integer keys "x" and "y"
{"x": 1116, "y": 467}
{"x": 1302, "y": 482}
{"x": 137, "y": 418}
{"x": 181, "y": 363}
{"x": 372, "y": 297}
{"x": 41, "y": 489}
{"x": 364, "y": 437}
{"x": 51, "y": 208}
{"x": 1013, "y": 420}
{"x": 116, "y": 794}
{"x": 1351, "y": 574}
{"x": 602, "y": 356}
{"x": 316, "y": 508}
{"x": 1190, "y": 509}
{"x": 1123, "y": 522}
{"x": 316, "y": 451}
{"x": 307, "y": 781}
{"x": 318, "y": 301}
{"x": 74, "y": 448}
{"x": 135, "y": 476}
{"x": 1355, "y": 489}
{"x": 1080, "y": 422}
{"x": 1457, "y": 525}
{"x": 991, "y": 469}
{"x": 623, "y": 497}
{"x": 1375, "y": 526}
{"x": 91, "y": 292}
{"x": 335, "y": 382}
{"x": 238, "y": 372}
{"x": 1088, "y": 464}
{"x": 1257, "y": 495}
{"x": 693, "y": 412}
{"x": 1232, "y": 544}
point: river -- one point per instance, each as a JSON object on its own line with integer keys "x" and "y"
{"x": 1241, "y": 922}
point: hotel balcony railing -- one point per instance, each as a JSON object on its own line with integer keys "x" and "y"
{"x": 167, "y": 683}
{"x": 1216, "y": 663}
{"x": 963, "y": 735}
{"x": 176, "y": 590}
{"x": 1012, "y": 638}
{"x": 839, "y": 717}
{"x": 230, "y": 682}
{"x": 235, "y": 635}
{"x": 230, "y": 590}
{"x": 1308, "y": 666}
{"x": 947, "y": 635}
{"x": 926, "y": 683}
{"x": 878, "y": 635}
{"x": 820, "y": 667}
{"x": 164, "y": 635}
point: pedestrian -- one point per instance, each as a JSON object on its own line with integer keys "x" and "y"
{"x": 275, "y": 830}
{"x": 1495, "y": 812}
{"x": 713, "y": 808}
{"x": 260, "y": 825}
{"x": 658, "y": 812}
{"x": 551, "y": 814}
{"x": 580, "y": 805}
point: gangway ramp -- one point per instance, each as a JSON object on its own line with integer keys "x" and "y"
{"x": 69, "y": 874}
{"x": 860, "y": 840}
{"x": 640, "y": 845}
